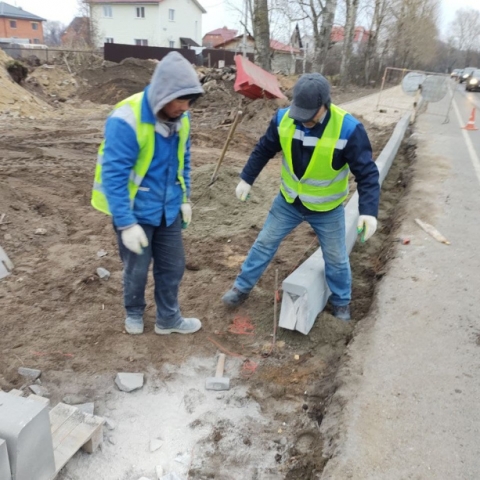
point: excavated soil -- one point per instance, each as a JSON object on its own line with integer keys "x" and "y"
{"x": 58, "y": 316}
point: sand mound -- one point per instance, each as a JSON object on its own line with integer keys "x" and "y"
{"x": 15, "y": 101}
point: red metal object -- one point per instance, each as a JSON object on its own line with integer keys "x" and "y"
{"x": 254, "y": 82}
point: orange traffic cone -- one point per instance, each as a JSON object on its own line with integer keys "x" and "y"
{"x": 471, "y": 122}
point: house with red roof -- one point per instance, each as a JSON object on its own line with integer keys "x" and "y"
{"x": 283, "y": 56}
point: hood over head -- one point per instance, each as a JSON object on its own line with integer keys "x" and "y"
{"x": 173, "y": 77}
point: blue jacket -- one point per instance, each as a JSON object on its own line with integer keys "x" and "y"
{"x": 353, "y": 149}
{"x": 160, "y": 194}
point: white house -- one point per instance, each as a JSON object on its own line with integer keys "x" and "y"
{"x": 156, "y": 23}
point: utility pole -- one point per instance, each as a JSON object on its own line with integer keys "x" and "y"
{"x": 245, "y": 30}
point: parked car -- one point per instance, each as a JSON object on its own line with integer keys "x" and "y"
{"x": 473, "y": 82}
{"x": 466, "y": 73}
{"x": 457, "y": 73}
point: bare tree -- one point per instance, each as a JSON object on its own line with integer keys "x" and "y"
{"x": 414, "y": 32}
{"x": 466, "y": 31}
{"x": 85, "y": 10}
{"x": 377, "y": 23}
{"x": 320, "y": 15}
{"x": 349, "y": 34}
{"x": 52, "y": 32}
{"x": 261, "y": 33}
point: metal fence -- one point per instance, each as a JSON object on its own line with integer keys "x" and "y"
{"x": 427, "y": 92}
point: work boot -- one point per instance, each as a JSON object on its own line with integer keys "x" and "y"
{"x": 186, "y": 325}
{"x": 134, "y": 325}
{"x": 234, "y": 297}
{"x": 342, "y": 312}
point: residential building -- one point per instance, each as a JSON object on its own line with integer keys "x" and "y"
{"x": 283, "y": 56}
{"x": 17, "y": 24}
{"x": 218, "y": 36}
{"x": 77, "y": 34}
{"x": 336, "y": 39}
{"x": 157, "y": 23}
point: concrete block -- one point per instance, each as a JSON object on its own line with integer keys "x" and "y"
{"x": 31, "y": 373}
{"x": 305, "y": 291}
{"x": 128, "y": 382}
{"x": 5, "y": 472}
{"x": 25, "y": 426}
{"x": 39, "y": 390}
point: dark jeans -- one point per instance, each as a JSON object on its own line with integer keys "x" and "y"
{"x": 166, "y": 249}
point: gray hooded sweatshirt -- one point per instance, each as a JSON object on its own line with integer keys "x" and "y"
{"x": 174, "y": 77}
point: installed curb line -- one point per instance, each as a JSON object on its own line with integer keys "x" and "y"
{"x": 305, "y": 291}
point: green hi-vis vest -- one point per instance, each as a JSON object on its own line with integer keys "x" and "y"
{"x": 321, "y": 188}
{"x": 146, "y": 141}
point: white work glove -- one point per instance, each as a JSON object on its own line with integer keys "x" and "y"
{"x": 242, "y": 190}
{"x": 134, "y": 239}
{"x": 366, "y": 226}
{"x": 186, "y": 209}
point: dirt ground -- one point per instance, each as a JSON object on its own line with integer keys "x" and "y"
{"x": 58, "y": 316}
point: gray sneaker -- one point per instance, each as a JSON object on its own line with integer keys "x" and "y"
{"x": 234, "y": 297}
{"x": 186, "y": 325}
{"x": 134, "y": 325}
{"x": 341, "y": 312}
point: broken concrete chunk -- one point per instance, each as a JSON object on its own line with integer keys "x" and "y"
{"x": 86, "y": 407}
{"x": 109, "y": 423}
{"x": 101, "y": 253}
{"x": 32, "y": 373}
{"x": 159, "y": 472}
{"x": 183, "y": 458}
{"x": 128, "y": 382}
{"x": 103, "y": 273}
{"x": 39, "y": 390}
{"x": 155, "y": 444}
{"x": 172, "y": 476}
{"x": 40, "y": 231}
{"x": 72, "y": 399}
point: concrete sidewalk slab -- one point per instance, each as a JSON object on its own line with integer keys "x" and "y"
{"x": 408, "y": 402}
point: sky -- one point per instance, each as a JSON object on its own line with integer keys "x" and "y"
{"x": 219, "y": 14}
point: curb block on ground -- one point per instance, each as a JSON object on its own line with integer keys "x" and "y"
{"x": 305, "y": 292}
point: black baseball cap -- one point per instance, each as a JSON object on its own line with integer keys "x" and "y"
{"x": 310, "y": 93}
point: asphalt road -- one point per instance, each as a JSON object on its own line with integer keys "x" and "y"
{"x": 409, "y": 396}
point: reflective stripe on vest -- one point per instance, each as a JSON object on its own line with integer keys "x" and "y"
{"x": 321, "y": 188}
{"x": 130, "y": 110}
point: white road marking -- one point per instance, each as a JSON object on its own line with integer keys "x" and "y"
{"x": 471, "y": 150}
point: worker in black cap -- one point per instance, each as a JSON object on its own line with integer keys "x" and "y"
{"x": 320, "y": 143}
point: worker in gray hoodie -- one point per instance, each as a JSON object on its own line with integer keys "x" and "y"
{"x": 142, "y": 180}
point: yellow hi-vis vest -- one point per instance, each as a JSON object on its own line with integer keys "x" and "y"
{"x": 146, "y": 141}
{"x": 321, "y": 188}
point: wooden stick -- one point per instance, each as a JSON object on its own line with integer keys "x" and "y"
{"x": 225, "y": 147}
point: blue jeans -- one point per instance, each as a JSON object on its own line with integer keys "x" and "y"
{"x": 165, "y": 247}
{"x": 330, "y": 229}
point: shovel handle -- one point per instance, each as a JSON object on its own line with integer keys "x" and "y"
{"x": 227, "y": 143}
{"x": 220, "y": 365}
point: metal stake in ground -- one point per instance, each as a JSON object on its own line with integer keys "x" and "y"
{"x": 225, "y": 147}
{"x": 218, "y": 382}
{"x": 275, "y": 309}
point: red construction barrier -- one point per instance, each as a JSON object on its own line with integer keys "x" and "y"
{"x": 254, "y": 82}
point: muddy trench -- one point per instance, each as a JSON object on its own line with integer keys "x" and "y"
{"x": 369, "y": 262}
